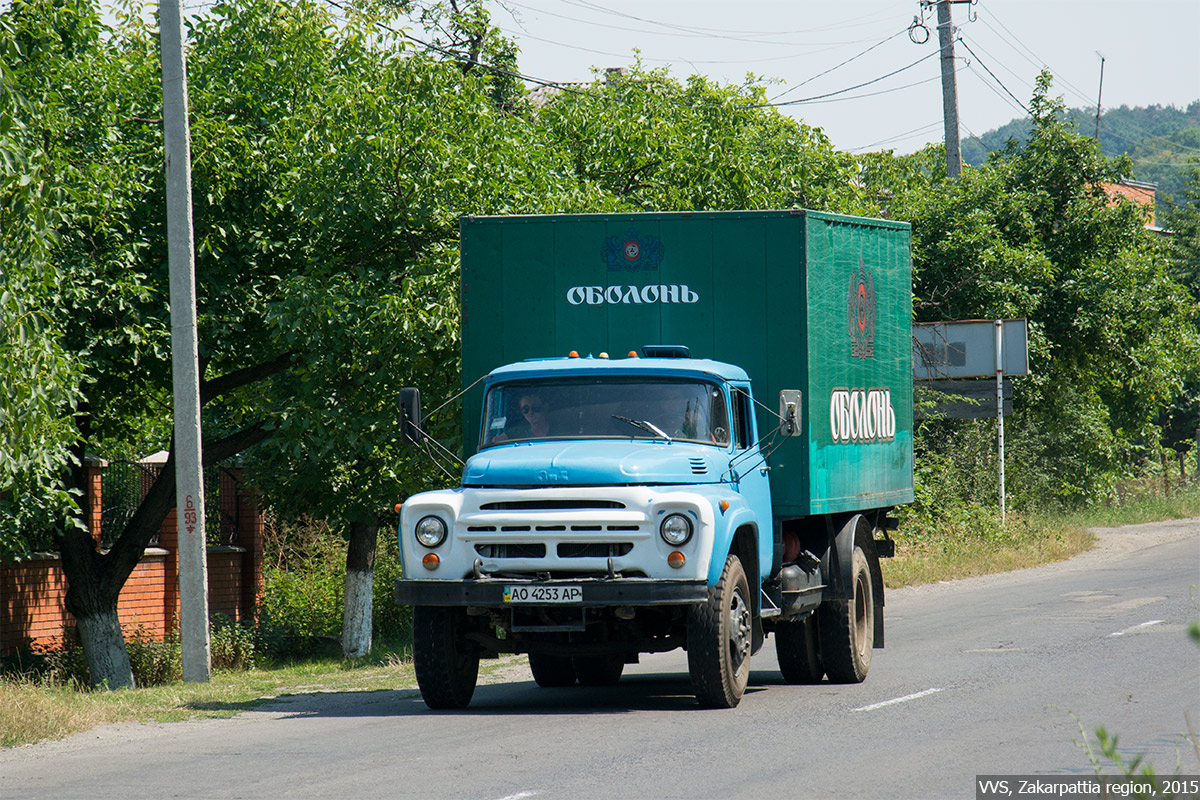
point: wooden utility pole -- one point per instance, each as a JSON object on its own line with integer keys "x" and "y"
{"x": 189, "y": 475}
{"x": 1099, "y": 94}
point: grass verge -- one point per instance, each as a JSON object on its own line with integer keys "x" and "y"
{"x": 1023, "y": 542}
{"x": 32, "y": 711}
{"x": 969, "y": 542}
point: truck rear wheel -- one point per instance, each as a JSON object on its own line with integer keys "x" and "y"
{"x": 552, "y": 672}
{"x": 847, "y": 627}
{"x": 446, "y": 664}
{"x": 599, "y": 670}
{"x": 720, "y": 634}
{"x": 797, "y": 647}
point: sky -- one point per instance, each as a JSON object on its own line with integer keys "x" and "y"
{"x": 808, "y": 49}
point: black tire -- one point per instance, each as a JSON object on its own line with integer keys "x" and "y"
{"x": 446, "y": 664}
{"x": 719, "y": 639}
{"x": 847, "y": 627}
{"x": 552, "y": 672}
{"x": 797, "y": 647}
{"x": 599, "y": 670}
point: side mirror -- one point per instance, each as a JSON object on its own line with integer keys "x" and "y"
{"x": 790, "y": 412}
{"x": 410, "y": 409}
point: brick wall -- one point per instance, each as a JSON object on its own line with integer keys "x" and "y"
{"x": 33, "y": 592}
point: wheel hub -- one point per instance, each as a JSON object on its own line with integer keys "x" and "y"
{"x": 739, "y": 632}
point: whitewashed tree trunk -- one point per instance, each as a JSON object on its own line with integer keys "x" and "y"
{"x": 359, "y": 597}
{"x": 104, "y": 648}
{"x": 356, "y": 616}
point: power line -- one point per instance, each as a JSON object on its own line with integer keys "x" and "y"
{"x": 657, "y": 59}
{"x": 1162, "y": 139}
{"x": 1040, "y": 62}
{"x": 989, "y": 72}
{"x": 677, "y": 31}
{"x": 897, "y": 137}
{"x": 721, "y": 33}
{"x": 892, "y": 90}
{"x": 849, "y": 88}
{"x": 462, "y": 59}
{"x": 837, "y": 66}
{"x": 982, "y": 143}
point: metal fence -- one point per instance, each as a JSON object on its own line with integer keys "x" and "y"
{"x": 124, "y": 484}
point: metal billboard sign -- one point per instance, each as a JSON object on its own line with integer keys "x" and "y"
{"x": 967, "y": 349}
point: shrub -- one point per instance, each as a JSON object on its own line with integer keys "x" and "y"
{"x": 154, "y": 662}
{"x": 233, "y": 646}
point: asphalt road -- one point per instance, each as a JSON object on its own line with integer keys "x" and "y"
{"x": 991, "y": 675}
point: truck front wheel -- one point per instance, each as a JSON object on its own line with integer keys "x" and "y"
{"x": 447, "y": 665}
{"x": 847, "y": 627}
{"x": 719, "y": 638}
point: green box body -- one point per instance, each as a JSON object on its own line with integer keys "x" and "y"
{"x": 801, "y": 300}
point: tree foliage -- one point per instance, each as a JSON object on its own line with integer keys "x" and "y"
{"x": 1032, "y": 234}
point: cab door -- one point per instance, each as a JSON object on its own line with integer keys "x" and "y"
{"x": 749, "y": 471}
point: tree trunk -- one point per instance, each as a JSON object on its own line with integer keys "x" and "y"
{"x": 104, "y": 649}
{"x": 360, "y": 576}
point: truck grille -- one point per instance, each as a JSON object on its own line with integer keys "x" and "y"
{"x": 549, "y": 505}
{"x": 594, "y": 549}
{"x": 512, "y": 550}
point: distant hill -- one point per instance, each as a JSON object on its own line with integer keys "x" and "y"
{"x": 1160, "y": 140}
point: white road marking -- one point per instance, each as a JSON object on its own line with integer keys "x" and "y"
{"x": 904, "y": 699}
{"x": 1137, "y": 627}
{"x": 520, "y": 796}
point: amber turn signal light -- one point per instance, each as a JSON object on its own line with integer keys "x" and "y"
{"x": 676, "y": 559}
{"x": 431, "y": 561}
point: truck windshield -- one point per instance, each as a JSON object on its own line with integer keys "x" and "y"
{"x": 608, "y": 408}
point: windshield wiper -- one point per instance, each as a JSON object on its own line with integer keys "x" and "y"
{"x": 645, "y": 425}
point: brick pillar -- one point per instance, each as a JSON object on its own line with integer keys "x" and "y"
{"x": 93, "y": 495}
{"x": 251, "y": 526}
{"x": 168, "y": 539}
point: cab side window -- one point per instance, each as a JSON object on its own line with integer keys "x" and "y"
{"x": 741, "y": 419}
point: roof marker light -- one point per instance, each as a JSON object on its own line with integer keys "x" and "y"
{"x": 632, "y": 354}
{"x": 573, "y": 354}
{"x": 603, "y": 355}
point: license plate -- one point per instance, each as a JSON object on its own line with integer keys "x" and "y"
{"x": 543, "y": 594}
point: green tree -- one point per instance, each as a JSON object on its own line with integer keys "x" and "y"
{"x": 1031, "y": 233}
{"x": 38, "y": 374}
{"x": 654, "y": 143}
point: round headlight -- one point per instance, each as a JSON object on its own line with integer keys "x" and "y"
{"x": 676, "y": 529}
{"x": 431, "y": 531}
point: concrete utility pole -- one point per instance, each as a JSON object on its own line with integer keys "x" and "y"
{"x": 189, "y": 475}
{"x": 949, "y": 88}
{"x": 1099, "y": 94}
